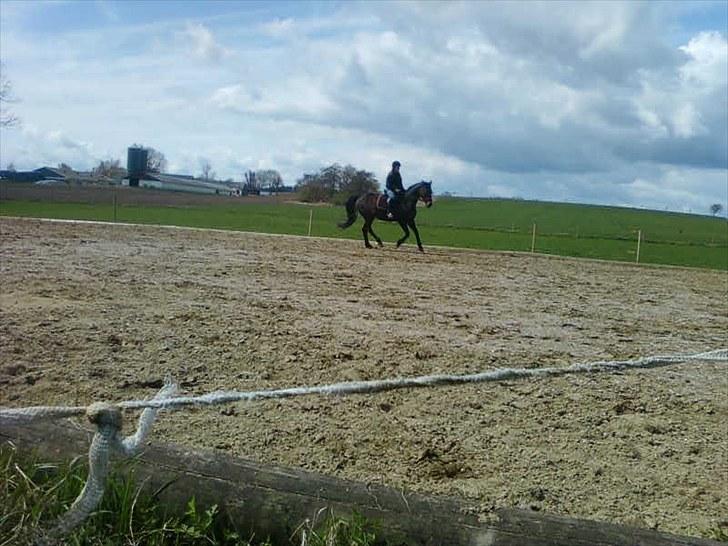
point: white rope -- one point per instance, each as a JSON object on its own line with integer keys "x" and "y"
{"x": 107, "y": 417}
{"x": 359, "y": 387}
{"x": 41, "y": 413}
{"x": 130, "y": 445}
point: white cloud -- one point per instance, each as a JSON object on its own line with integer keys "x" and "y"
{"x": 203, "y": 43}
{"x": 543, "y": 100}
{"x": 678, "y": 189}
{"x": 686, "y": 121}
{"x": 279, "y": 28}
{"x": 708, "y": 60}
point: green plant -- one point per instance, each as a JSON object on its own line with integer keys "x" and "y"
{"x": 719, "y": 533}
{"x": 326, "y": 529}
{"x": 33, "y": 495}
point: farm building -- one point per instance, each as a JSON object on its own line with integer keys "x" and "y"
{"x": 43, "y": 173}
{"x": 176, "y": 182}
{"x": 140, "y": 175}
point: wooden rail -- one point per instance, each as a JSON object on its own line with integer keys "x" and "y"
{"x": 272, "y": 501}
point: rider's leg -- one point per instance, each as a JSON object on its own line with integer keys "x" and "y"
{"x": 391, "y": 196}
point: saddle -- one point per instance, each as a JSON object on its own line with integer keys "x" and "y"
{"x": 382, "y": 201}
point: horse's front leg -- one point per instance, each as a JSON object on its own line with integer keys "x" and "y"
{"x": 417, "y": 234}
{"x": 403, "y": 225}
{"x": 376, "y": 237}
{"x": 366, "y": 228}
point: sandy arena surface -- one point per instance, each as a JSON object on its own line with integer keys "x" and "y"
{"x": 91, "y": 312}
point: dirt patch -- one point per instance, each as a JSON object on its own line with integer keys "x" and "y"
{"x": 91, "y": 312}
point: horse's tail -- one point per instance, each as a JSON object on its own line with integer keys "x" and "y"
{"x": 350, "y": 212}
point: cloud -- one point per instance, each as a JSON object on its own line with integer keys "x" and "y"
{"x": 203, "y": 43}
{"x": 570, "y": 101}
{"x": 41, "y": 147}
{"x": 482, "y": 92}
{"x": 707, "y": 60}
{"x": 677, "y": 189}
{"x": 278, "y": 28}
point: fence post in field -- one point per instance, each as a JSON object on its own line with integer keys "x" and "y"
{"x": 639, "y": 240}
{"x": 533, "y": 238}
{"x": 310, "y": 220}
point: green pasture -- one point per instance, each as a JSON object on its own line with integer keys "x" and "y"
{"x": 492, "y": 224}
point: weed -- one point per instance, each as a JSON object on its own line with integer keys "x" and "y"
{"x": 33, "y": 495}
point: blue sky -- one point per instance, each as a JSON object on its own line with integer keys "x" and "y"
{"x": 597, "y": 102}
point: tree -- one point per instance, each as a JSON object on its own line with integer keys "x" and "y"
{"x": 65, "y": 169}
{"x": 270, "y": 179}
{"x": 715, "y": 208}
{"x": 356, "y": 182}
{"x": 251, "y": 184}
{"x": 11, "y": 167}
{"x": 110, "y": 168}
{"x": 156, "y": 162}
{"x": 311, "y": 189}
{"x": 207, "y": 172}
{"x": 336, "y": 183}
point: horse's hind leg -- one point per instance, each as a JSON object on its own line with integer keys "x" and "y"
{"x": 376, "y": 237}
{"x": 406, "y": 234}
{"x": 366, "y": 228}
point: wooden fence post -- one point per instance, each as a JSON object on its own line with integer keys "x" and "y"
{"x": 639, "y": 240}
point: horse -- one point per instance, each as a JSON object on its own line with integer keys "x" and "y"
{"x": 373, "y": 206}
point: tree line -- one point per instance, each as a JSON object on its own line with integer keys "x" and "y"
{"x": 334, "y": 184}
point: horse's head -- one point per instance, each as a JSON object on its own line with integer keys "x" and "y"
{"x": 424, "y": 193}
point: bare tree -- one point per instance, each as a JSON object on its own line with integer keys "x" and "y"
{"x": 269, "y": 179}
{"x": 7, "y": 118}
{"x": 251, "y": 185}
{"x": 110, "y": 168}
{"x": 65, "y": 169}
{"x": 715, "y": 208}
{"x": 207, "y": 172}
{"x": 156, "y": 162}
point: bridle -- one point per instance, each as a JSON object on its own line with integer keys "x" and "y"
{"x": 426, "y": 199}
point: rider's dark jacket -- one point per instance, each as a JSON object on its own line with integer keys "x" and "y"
{"x": 394, "y": 182}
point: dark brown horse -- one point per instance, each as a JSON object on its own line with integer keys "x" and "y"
{"x": 371, "y": 207}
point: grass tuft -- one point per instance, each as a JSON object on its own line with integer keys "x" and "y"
{"x": 33, "y": 495}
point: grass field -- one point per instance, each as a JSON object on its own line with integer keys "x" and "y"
{"x": 495, "y": 224}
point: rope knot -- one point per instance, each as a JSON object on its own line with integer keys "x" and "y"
{"x": 104, "y": 414}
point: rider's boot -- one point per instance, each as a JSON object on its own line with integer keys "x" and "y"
{"x": 390, "y": 209}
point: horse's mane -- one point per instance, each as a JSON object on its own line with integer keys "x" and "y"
{"x": 417, "y": 185}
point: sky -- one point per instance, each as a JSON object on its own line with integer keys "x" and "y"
{"x": 588, "y": 102}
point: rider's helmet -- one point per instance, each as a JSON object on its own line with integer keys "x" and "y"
{"x": 396, "y": 164}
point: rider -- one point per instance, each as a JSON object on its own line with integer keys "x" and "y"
{"x": 394, "y": 188}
